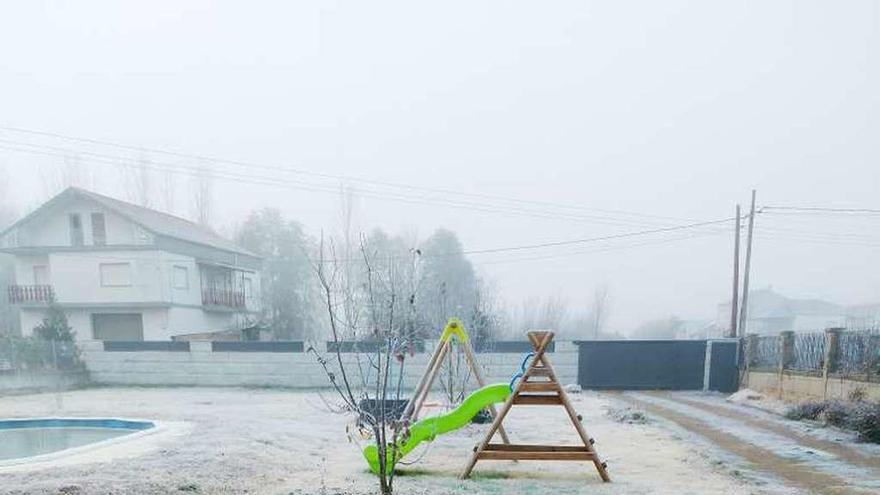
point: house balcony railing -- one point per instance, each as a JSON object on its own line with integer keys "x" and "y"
{"x": 19, "y": 294}
{"x": 223, "y": 298}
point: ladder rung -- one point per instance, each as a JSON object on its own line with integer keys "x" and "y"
{"x": 537, "y": 400}
{"x": 535, "y": 448}
{"x": 500, "y": 455}
{"x": 540, "y": 371}
{"x": 539, "y": 387}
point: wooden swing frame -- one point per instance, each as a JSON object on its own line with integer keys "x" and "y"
{"x": 538, "y": 386}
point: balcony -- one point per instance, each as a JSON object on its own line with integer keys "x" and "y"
{"x": 224, "y": 299}
{"x": 23, "y": 294}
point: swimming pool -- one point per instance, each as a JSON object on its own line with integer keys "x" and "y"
{"x": 23, "y": 439}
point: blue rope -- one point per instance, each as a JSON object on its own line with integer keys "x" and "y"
{"x": 522, "y": 369}
{"x": 514, "y": 379}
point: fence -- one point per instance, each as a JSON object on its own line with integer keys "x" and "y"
{"x": 809, "y": 352}
{"x": 764, "y": 353}
{"x": 28, "y": 363}
{"x": 833, "y": 363}
{"x": 858, "y": 354}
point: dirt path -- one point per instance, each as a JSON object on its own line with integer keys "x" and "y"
{"x": 808, "y": 463}
{"x": 843, "y": 452}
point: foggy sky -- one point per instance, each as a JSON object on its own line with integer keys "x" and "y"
{"x": 675, "y": 109}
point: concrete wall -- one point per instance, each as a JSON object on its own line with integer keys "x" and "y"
{"x": 795, "y": 386}
{"x": 200, "y": 366}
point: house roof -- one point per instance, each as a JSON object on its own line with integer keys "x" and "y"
{"x": 766, "y": 303}
{"x": 154, "y": 221}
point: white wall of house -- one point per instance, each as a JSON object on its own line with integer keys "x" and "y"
{"x": 52, "y": 227}
{"x": 159, "y": 323}
{"x": 24, "y": 268}
{"x": 77, "y": 276}
{"x": 164, "y": 287}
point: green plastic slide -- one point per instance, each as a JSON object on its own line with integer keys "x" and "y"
{"x": 429, "y": 428}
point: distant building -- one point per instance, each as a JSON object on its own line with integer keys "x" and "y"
{"x": 770, "y": 313}
{"x": 698, "y": 329}
{"x": 124, "y": 272}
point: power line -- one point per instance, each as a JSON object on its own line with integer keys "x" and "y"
{"x": 556, "y": 243}
{"x": 601, "y": 238}
{"x": 195, "y": 171}
{"x": 601, "y": 250}
{"x": 819, "y": 209}
{"x": 298, "y": 171}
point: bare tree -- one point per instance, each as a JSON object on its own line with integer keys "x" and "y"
{"x": 55, "y": 177}
{"x": 203, "y": 196}
{"x": 138, "y": 181}
{"x": 554, "y": 312}
{"x": 168, "y": 191}
{"x": 599, "y": 310}
{"x": 363, "y": 305}
{"x": 7, "y": 210}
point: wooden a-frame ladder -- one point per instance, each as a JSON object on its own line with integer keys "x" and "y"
{"x": 538, "y": 386}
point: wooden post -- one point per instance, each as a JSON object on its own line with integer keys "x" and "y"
{"x": 432, "y": 374}
{"x": 744, "y": 308}
{"x": 410, "y": 407}
{"x": 786, "y": 355}
{"x": 829, "y": 365}
{"x": 478, "y": 375}
{"x": 751, "y": 352}
{"x": 734, "y": 301}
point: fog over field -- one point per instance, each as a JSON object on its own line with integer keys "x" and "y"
{"x": 512, "y": 124}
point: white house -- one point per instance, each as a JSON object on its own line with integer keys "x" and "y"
{"x": 770, "y": 313}
{"x": 125, "y": 272}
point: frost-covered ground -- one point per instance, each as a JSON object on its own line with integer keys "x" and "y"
{"x": 280, "y": 442}
{"x": 804, "y": 457}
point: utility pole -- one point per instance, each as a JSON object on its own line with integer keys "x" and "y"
{"x": 743, "y": 311}
{"x": 734, "y": 302}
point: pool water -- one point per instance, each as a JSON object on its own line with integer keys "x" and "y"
{"x": 21, "y": 439}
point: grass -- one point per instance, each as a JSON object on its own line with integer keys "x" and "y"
{"x": 862, "y": 417}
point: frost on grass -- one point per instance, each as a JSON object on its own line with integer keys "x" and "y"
{"x": 627, "y": 415}
{"x": 862, "y": 417}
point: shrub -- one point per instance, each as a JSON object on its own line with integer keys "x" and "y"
{"x": 806, "y": 410}
{"x": 864, "y": 419}
{"x": 861, "y": 417}
{"x": 836, "y": 413}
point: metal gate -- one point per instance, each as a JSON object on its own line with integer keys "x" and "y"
{"x": 655, "y": 365}
{"x": 723, "y": 369}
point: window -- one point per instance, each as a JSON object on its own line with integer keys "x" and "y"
{"x": 181, "y": 277}
{"x": 76, "y": 230}
{"x": 122, "y": 326}
{"x": 99, "y": 229}
{"x": 248, "y": 288}
{"x": 115, "y": 274}
{"x": 41, "y": 275}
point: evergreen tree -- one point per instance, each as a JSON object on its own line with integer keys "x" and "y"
{"x": 54, "y": 326}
